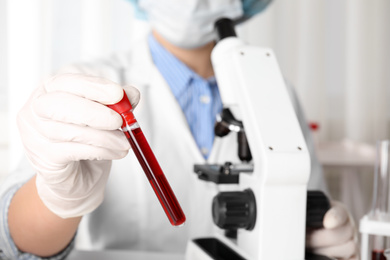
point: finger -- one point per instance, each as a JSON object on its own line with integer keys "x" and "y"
{"x": 57, "y": 132}
{"x": 343, "y": 251}
{"x": 42, "y": 150}
{"x": 89, "y": 152}
{"x": 60, "y": 154}
{"x": 94, "y": 88}
{"x": 336, "y": 216}
{"x": 73, "y": 185}
{"x": 39, "y": 91}
{"x": 68, "y": 108}
{"x": 328, "y": 237}
{"x": 133, "y": 94}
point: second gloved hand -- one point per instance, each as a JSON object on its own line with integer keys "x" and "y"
{"x": 338, "y": 238}
{"x": 70, "y": 138}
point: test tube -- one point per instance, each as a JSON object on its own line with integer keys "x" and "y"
{"x": 380, "y": 210}
{"x": 148, "y": 162}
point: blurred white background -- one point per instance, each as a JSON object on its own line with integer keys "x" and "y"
{"x": 336, "y": 54}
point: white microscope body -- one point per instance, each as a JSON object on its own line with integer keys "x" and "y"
{"x": 253, "y": 88}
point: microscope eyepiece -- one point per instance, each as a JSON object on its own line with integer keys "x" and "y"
{"x": 225, "y": 28}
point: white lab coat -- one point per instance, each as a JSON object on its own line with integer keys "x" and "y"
{"x": 131, "y": 216}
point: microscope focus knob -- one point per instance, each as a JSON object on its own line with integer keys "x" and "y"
{"x": 233, "y": 210}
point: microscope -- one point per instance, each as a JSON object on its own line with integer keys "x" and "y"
{"x": 266, "y": 216}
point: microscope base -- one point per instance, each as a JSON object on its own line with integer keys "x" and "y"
{"x": 210, "y": 249}
{"x": 214, "y": 249}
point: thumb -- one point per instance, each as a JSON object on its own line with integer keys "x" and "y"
{"x": 336, "y": 216}
{"x": 133, "y": 94}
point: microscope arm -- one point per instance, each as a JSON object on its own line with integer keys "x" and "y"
{"x": 253, "y": 88}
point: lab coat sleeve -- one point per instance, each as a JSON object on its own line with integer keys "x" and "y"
{"x": 316, "y": 180}
{"x": 13, "y": 182}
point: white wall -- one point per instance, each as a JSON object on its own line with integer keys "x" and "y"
{"x": 3, "y": 93}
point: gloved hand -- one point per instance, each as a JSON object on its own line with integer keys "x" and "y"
{"x": 70, "y": 138}
{"x": 338, "y": 238}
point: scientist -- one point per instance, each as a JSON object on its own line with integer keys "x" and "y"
{"x": 79, "y": 175}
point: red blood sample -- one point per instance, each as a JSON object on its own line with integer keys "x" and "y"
{"x": 377, "y": 255}
{"x": 155, "y": 176}
{"x": 149, "y": 162}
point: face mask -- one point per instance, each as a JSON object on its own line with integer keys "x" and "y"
{"x": 250, "y": 8}
{"x": 189, "y": 23}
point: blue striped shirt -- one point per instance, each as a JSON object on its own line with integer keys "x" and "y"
{"x": 198, "y": 97}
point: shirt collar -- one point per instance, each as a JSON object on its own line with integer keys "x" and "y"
{"x": 177, "y": 75}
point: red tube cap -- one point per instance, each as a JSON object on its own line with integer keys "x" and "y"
{"x": 122, "y": 106}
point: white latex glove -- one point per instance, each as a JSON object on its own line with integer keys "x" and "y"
{"x": 338, "y": 238}
{"x": 70, "y": 138}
